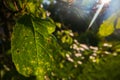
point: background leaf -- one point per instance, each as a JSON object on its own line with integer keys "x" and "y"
{"x": 118, "y": 23}
{"x": 107, "y": 28}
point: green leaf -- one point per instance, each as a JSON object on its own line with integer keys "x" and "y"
{"x": 49, "y": 25}
{"x": 31, "y": 6}
{"x": 33, "y": 46}
{"x": 118, "y": 23}
{"x": 66, "y": 39}
{"x": 107, "y": 28}
{"x": 58, "y": 25}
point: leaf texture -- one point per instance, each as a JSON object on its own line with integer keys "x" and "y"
{"x": 33, "y": 46}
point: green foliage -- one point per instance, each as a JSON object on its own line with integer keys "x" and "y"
{"x": 107, "y": 69}
{"x": 74, "y": 61}
{"x": 89, "y": 38}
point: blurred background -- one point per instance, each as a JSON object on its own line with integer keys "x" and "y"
{"x": 85, "y": 55}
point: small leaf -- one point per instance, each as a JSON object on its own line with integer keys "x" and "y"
{"x": 58, "y": 25}
{"x": 66, "y": 39}
{"x": 31, "y": 7}
{"x": 43, "y": 13}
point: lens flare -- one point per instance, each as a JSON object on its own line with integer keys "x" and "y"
{"x": 105, "y": 1}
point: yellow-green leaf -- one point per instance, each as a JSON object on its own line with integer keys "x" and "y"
{"x": 107, "y": 28}
{"x": 118, "y": 23}
{"x": 31, "y": 6}
{"x": 58, "y": 25}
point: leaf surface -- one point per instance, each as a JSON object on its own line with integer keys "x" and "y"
{"x": 33, "y": 46}
{"x": 107, "y": 28}
{"x": 118, "y": 23}
{"x": 109, "y": 25}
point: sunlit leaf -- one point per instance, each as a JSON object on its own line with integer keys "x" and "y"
{"x": 49, "y": 25}
{"x": 58, "y": 25}
{"x": 107, "y": 28}
{"x": 31, "y": 7}
{"x": 66, "y": 39}
{"x": 118, "y": 24}
{"x": 43, "y": 13}
{"x": 33, "y": 46}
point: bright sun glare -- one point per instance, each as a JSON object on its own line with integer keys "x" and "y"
{"x": 105, "y": 1}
